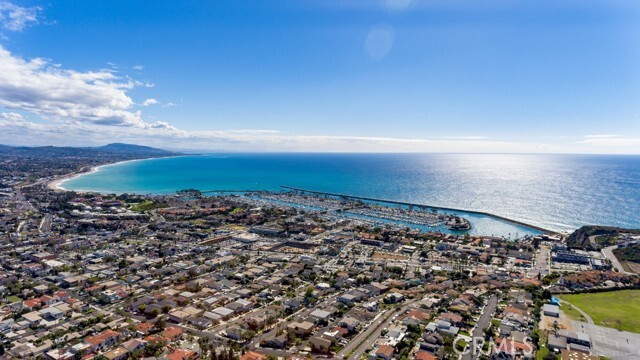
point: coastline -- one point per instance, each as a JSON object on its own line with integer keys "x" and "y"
{"x": 57, "y": 183}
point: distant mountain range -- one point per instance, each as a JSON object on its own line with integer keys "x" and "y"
{"x": 114, "y": 149}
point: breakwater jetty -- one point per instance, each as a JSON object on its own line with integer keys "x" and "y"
{"x": 403, "y": 203}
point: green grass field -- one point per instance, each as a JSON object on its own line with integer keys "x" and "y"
{"x": 147, "y": 205}
{"x": 615, "y": 309}
{"x": 571, "y": 312}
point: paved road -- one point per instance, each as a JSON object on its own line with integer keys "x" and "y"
{"x": 608, "y": 253}
{"x": 584, "y": 314}
{"x": 483, "y": 322}
{"x": 359, "y": 345}
{"x": 542, "y": 261}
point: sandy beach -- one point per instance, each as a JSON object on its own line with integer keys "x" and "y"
{"x": 57, "y": 184}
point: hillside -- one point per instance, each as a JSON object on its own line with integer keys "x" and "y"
{"x": 132, "y": 149}
{"x": 602, "y": 236}
{"x": 628, "y": 253}
{"x": 110, "y": 150}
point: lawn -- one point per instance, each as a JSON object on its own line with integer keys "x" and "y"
{"x": 615, "y": 309}
{"x": 571, "y": 312}
{"x": 147, "y": 205}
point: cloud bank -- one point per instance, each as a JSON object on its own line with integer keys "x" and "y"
{"x": 42, "y": 88}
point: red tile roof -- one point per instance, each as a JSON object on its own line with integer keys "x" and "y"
{"x": 252, "y": 355}
{"x": 100, "y": 338}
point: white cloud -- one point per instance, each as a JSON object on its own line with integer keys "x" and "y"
{"x": 612, "y": 142}
{"x": 11, "y": 116}
{"x": 464, "y": 137}
{"x": 53, "y": 93}
{"x": 150, "y": 102}
{"x": 162, "y": 134}
{"x": 169, "y": 104}
{"x": 18, "y": 18}
{"x": 137, "y": 67}
{"x": 604, "y": 136}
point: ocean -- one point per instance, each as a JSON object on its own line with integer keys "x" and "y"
{"x": 555, "y": 192}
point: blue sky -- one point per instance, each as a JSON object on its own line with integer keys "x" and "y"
{"x": 349, "y": 75}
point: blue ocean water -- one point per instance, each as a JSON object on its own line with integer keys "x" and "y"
{"x": 556, "y": 192}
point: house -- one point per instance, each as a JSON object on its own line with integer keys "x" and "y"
{"x": 239, "y": 305}
{"x": 252, "y": 355}
{"x": 60, "y": 354}
{"x": 103, "y": 340}
{"x": 223, "y": 312}
{"x": 235, "y": 333}
{"x": 347, "y": 299}
{"x": 178, "y": 316}
{"x": 454, "y": 319}
{"x": 276, "y": 342}
{"x": 371, "y": 306}
{"x": 118, "y": 353}
{"x": 432, "y": 342}
{"x": 61, "y": 296}
{"x": 212, "y": 316}
{"x": 320, "y": 344}
{"x": 52, "y": 313}
{"x": 320, "y": 315}
{"x": 181, "y": 354}
{"x": 32, "y": 317}
{"x": 394, "y": 297}
{"x": 200, "y": 322}
{"x": 172, "y": 333}
{"x": 143, "y": 328}
{"x": 349, "y": 323}
{"x": 134, "y": 344}
{"x": 293, "y": 304}
{"x": 300, "y": 328}
{"x": 421, "y": 316}
{"x": 443, "y": 327}
{"x": 384, "y": 352}
{"x": 425, "y": 355}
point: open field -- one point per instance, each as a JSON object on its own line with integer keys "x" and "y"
{"x": 615, "y": 309}
{"x": 571, "y": 312}
{"x": 147, "y": 205}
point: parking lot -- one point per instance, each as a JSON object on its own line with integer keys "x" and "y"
{"x": 610, "y": 342}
